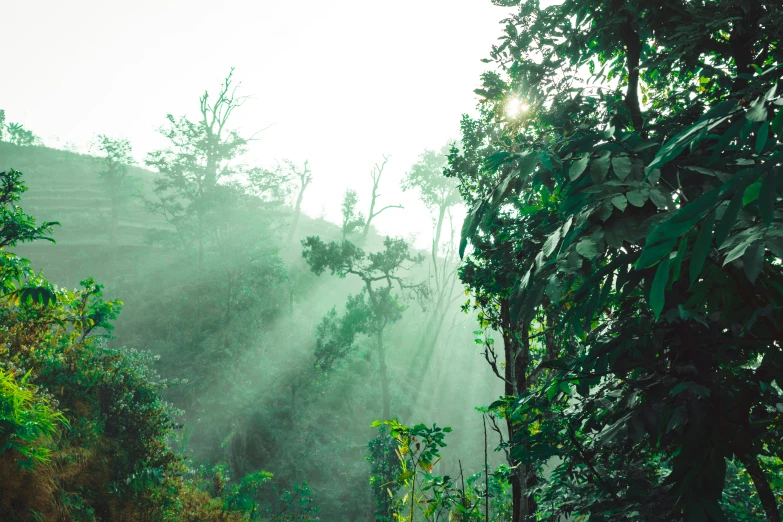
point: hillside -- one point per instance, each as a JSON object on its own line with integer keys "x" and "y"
{"x": 239, "y": 409}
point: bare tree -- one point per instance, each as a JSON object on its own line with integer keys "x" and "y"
{"x": 376, "y": 173}
{"x": 305, "y": 177}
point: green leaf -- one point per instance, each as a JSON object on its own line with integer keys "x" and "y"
{"x": 620, "y": 202}
{"x": 672, "y": 148}
{"x": 494, "y": 160}
{"x": 701, "y": 248}
{"x": 551, "y": 242}
{"x": 599, "y": 167}
{"x": 757, "y": 110}
{"x": 638, "y": 197}
{"x": 670, "y": 230}
{"x": 738, "y": 250}
{"x": 753, "y": 260}
{"x": 767, "y": 198}
{"x": 657, "y": 297}
{"x": 578, "y": 167}
{"x": 761, "y": 138}
{"x": 729, "y": 218}
{"x": 660, "y": 200}
{"x": 552, "y": 392}
{"x": 469, "y": 227}
{"x": 677, "y": 263}
{"x": 776, "y": 126}
{"x": 587, "y": 248}
{"x": 621, "y": 166}
{"x": 650, "y": 255}
{"x": 751, "y": 193}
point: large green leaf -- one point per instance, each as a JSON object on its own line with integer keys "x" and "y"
{"x": 664, "y": 236}
{"x": 739, "y": 250}
{"x": 587, "y": 247}
{"x": 621, "y": 166}
{"x": 672, "y": 148}
{"x": 551, "y": 242}
{"x": 761, "y": 139}
{"x": 599, "y": 168}
{"x": 728, "y": 219}
{"x": 657, "y": 292}
{"x": 578, "y": 166}
{"x": 701, "y": 248}
{"x": 469, "y": 227}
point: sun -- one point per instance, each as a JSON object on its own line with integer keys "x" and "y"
{"x": 515, "y": 107}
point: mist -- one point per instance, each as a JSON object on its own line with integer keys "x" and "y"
{"x": 322, "y": 100}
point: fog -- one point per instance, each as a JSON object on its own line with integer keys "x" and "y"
{"x": 232, "y": 311}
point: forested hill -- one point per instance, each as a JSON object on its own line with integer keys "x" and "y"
{"x": 607, "y": 318}
{"x": 239, "y": 334}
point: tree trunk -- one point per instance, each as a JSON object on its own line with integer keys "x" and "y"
{"x": 297, "y": 211}
{"x": 517, "y": 355}
{"x": 384, "y": 377}
{"x": 367, "y": 222}
{"x": 766, "y": 495}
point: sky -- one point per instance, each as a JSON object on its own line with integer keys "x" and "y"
{"x": 338, "y": 83}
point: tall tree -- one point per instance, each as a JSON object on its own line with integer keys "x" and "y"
{"x": 201, "y": 153}
{"x": 116, "y": 156}
{"x": 304, "y": 177}
{"x": 371, "y": 311}
{"x": 440, "y": 194}
{"x": 352, "y": 219}
{"x": 589, "y": 209}
{"x": 2, "y": 124}
{"x": 375, "y": 174}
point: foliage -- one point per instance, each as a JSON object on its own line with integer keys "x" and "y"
{"x": 426, "y": 176}
{"x": 202, "y": 153}
{"x": 374, "y": 309}
{"x": 415, "y": 492}
{"x": 116, "y": 157}
{"x": 26, "y": 420}
{"x": 86, "y": 422}
{"x": 440, "y": 195}
{"x": 18, "y": 135}
{"x": 628, "y": 249}
{"x": 353, "y": 220}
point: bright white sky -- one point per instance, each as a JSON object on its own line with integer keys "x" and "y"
{"x": 341, "y": 82}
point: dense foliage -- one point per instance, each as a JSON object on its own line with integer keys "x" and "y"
{"x": 622, "y": 254}
{"x": 626, "y": 232}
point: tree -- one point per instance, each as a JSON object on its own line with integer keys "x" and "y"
{"x": 20, "y": 136}
{"x": 439, "y": 193}
{"x": 201, "y": 154}
{"x": 117, "y": 155}
{"x": 370, "y": 312}
{"x": 2, "y": 124}
{"x": 588, "y": 210}
{"x": 352, "y": 219}
{"x": 375, "y": 174}
{"x": 304, "y": 177}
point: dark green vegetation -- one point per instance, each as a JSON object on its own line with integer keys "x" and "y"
{"x": 622, "y": 256}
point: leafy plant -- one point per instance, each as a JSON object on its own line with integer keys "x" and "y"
{"x": 626, "y": 247}
{"x": 26, "y": 420}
